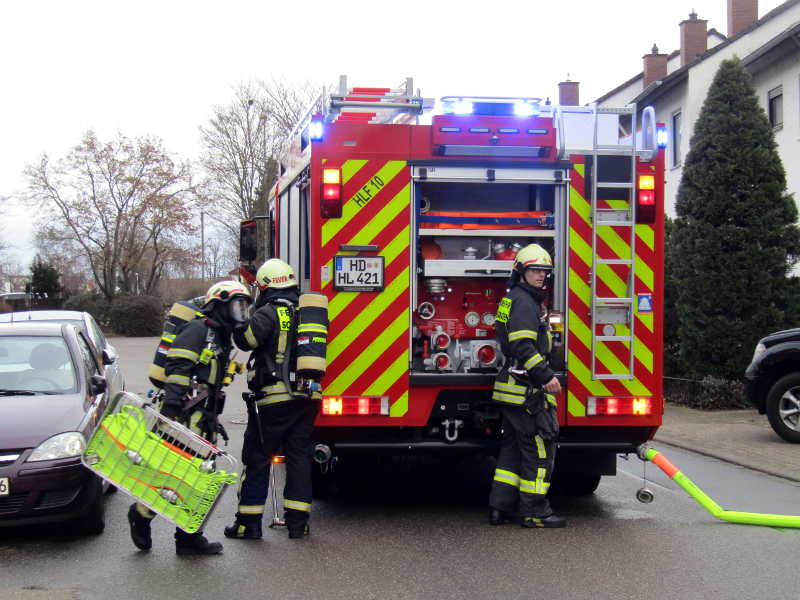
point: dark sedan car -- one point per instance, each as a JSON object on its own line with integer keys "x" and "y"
{"x": 773, "y": 382}
{"x": 52, "y": 396}
{"x": 88, "y": 325}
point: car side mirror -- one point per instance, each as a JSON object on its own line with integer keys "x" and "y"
{"x": 99, "y": 384}
{"x": 109, "y": 356}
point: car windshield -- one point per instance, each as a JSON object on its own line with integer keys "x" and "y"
{"x": 35, "y": 364}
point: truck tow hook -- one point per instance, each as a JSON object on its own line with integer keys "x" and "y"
{"x": 451, "y": 427}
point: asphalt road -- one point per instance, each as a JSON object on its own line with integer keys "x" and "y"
{"x": 418, "y": 531}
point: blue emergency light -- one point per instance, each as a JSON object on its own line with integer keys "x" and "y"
{"x": 661, "y": 136}
{"x": 316, "y": 130}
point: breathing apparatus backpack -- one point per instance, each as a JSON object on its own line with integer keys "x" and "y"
{"x": 181, "y": 313}
{"x": 312, "y": 336}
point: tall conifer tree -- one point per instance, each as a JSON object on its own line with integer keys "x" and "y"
{"x": 735, "y": 238}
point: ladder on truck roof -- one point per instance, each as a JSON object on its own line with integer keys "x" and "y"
{"x": 619, "y": 309}
{"x": 375, "y": 105}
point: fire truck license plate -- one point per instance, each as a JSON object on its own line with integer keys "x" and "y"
{"x": 4, "y": 489}
{"x": 358, "y": 273}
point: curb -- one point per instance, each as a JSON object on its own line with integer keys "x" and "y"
{"x": 724, "y": 458}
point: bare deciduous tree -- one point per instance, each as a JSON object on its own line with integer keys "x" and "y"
{"x": 242, "y": 142}
{"x": 124, "y": 203}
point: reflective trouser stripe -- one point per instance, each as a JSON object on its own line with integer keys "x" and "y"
{"x": 273, "y": 394}
{"x": 510, "y": 387}
{"x": 508, "y": 477}
{"x": 251, "y": 509}
{"x": 539, "y": 486}
{"x": 183, "y": 353}
{"x": 179, "y": 379}
{"x": 297, "y": 505}
{"x": 540, "y": 449}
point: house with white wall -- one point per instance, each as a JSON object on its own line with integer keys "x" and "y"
{"x": 676, "y": 84}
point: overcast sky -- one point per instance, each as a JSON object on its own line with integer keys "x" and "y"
{"x": 158, "y": 67}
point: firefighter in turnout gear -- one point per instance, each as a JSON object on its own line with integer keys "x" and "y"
{"x": 195, "y": 368}
{"x": 279, "y": 416}
{"x": 525, "y": 389}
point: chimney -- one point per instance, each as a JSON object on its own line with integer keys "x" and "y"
{"x": 694, "y": 36}
{"x": 568, "y": 93}
{"x": 655, "y": 66}
{"x": 741, "y": 14}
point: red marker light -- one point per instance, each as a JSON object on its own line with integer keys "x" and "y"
{"x": 331, "y": 200}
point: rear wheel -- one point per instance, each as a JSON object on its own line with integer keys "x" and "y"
{"x": 783, "y": 407}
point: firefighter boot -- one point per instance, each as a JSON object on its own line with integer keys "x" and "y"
{"x": 140, "y": 528}
{"x": 551, "y": 522}
{"x": 499, "y": 517}
{"x": 195, "y": 544}
{"x": 299, "y": 532}
{"x": 244, "y": 531}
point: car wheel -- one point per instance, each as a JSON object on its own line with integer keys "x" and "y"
{"x": 783, "y": 407}
{"x": 93, "y": 522}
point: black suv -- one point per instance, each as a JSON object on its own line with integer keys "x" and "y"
{"x": 773, "y": 382}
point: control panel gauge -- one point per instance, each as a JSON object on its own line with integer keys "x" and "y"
{"x": 472, "y": 319}
{"x": 488, "y": 319}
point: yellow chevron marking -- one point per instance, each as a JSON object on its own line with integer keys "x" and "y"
{"x": 580, "y": 205}
{"x": 574, "y": 406}
{"x": 618, "y": 286}
{"x": 584, "y": 375}
{"x": 365, "y": 359}
{"x": 400, "y": 407}
{"x": 385, "y": 216}
{"x": 350, "y": 208}
{"x": 617, "y": 204}
{"x": 392, "y": 373}
{"x": 644, "y": 354}
{"x": 646, "y": 319}
{"x": 579, "y": 287}
{"x": 645, "y": 273}
{"x": 350, "y": 168}
{"x": 357, "y": 326}
{"x": 580, "y": 169}
{"x": 342, "y": 299}
{"x": 581, "y": 248}
{"x": 612, "y": 239}
{"x": 646, "y": 233}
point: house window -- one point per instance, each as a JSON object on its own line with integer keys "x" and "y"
{"x": 675, "y": 142}
{"x": 775, "y": 107}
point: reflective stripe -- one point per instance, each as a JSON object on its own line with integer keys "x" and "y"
{"x": 251, "y": 509}
{"x": 523, "y": 334}
{"x": 510, "y": 387}
{"x": 540, "y": 449}
{"x": 273, "y": 399}
{"x": 507, "y": 477}
{"x": 541, "y": 485}
{"x": 250, "y": 338}
{"x": 499, "y": 397}
{"x": 168, "y": 337}
{"x": 285, "y": 322}
{"x": 183, "y": 353}
{"x": 179, "y": 379}
{"x": 312, "y": 328}
{"x": 297, "y": 505}
{"x": 533, "y": 361}
{"x": 527, "y": 487}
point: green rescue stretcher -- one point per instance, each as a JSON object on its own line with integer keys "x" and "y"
{"x": 160, "y": 463}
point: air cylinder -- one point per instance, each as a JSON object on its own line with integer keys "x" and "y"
{"x": 312, "y": 335}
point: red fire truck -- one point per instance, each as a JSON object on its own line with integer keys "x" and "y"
{"x": 409, "y": 221}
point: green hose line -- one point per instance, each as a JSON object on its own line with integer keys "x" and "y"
{"x": 744, "y": 518}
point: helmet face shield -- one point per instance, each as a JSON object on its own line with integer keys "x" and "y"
{"x": 238, "y": 309}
